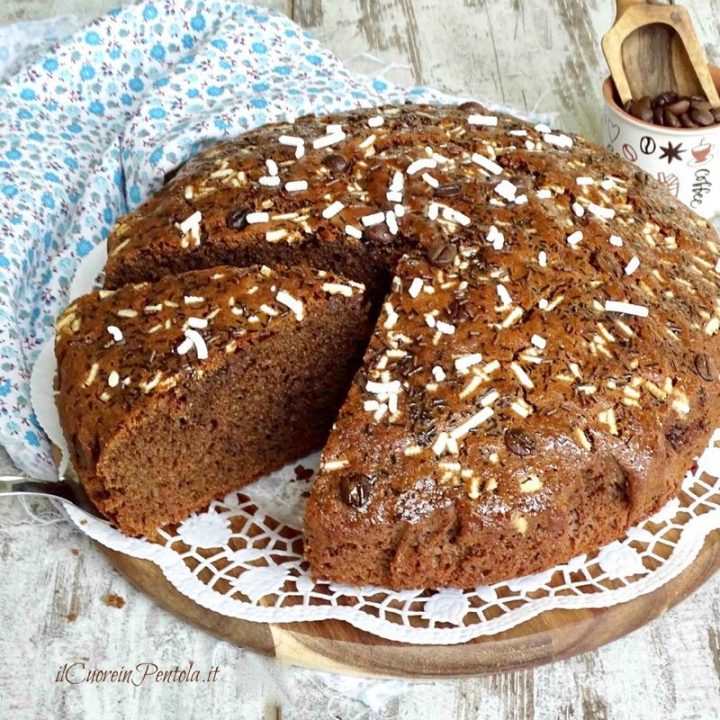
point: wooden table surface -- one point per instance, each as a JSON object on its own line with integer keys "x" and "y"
{"x": 532, "y": 54}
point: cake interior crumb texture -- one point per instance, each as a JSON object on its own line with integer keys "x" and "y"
{"x": 504, "y": 338}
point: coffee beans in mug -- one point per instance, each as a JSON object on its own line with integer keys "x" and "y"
{"x": 676, "y": 111}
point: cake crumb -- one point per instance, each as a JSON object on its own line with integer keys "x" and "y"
{"x": 113, "y": 600}
{"x": 75, "y": 551}
{"x": 303, "y": 474}
{"x": 71, "y": 617}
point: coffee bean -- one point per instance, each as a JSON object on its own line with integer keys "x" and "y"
{"x": 519, "y": 442}
{"x": 441, "y": 253}
{"x": 355, "y": 490}
{"x": 679, "y": 107}
{"x": 672, "y": 110}
{"x": 702, "y": 117}
{"x": 705, "y": 367}
{"x": 671, "y": 119}
{"x": 701, "y": 104}
{"x": 335, "y": 162}
{"x": 643, "y": 109}
{"x": 378, "y": 233}
{"x": 472, "y": 107}
{"x": 237, "y": 219}
{"x": 449, "y": 189}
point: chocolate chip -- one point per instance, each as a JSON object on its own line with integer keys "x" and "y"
{"x": 449, "y": 189}
{"x": 378, "y": 233}
{"x": 441, "y": 253}
{"x": 237, "y": 219}
{"x": 471, "y": 107}
{"x": 355, "y": 489}
{"x": 675, "y": 435}
{"x": 335, "y": 162}
{"x": 705, "y": 367}
{"x": 519, "y": 442}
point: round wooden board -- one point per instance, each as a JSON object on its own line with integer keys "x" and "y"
{"x": 336, "y": 646}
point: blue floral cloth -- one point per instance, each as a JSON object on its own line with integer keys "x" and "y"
{"x": 90, "y": 125}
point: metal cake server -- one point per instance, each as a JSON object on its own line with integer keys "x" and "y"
{"x": 63, "y": 489}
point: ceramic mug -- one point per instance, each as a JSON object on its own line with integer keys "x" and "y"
{"x": 685, "y": 161}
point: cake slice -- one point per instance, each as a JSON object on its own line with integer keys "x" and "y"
{"x": 176, "y": 392}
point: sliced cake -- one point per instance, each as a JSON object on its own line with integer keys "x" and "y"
{"x": 176, "y": 392}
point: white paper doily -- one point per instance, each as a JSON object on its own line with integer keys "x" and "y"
{"x": 242, "y": 557}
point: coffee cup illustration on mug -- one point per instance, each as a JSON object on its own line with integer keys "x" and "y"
{"x": 686, "y": 161}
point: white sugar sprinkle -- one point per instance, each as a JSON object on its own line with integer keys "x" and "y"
{"x": 455, "y": 216}
{"x": 433, "y": 211}
{"x": 543, "y": 128}
{"x": 197, "y": 323}
{"x": 116, "y": 333}
{"x": 399, "y": 210}
{"x": 391, "y": 222}
{"x": 626, "y": 308}
{"x": 478, "y": 419}
{"x": 271, "y": 167}
{"x": 376, "y": 121}
{"x": 518, "y": 133}
{"x": 504, "y": 295}
{"x": 191, "y": 224}
{"x": 444, "y": 328}
{"x": 561, "y": 141}
{"x": 544, "y": 193}
{"x": 585, "y": 181}
{"x": 505, "y": 189}
{"x": 193, "y": 339}
{"x": 601, "y": 212}
{"x": 329, "y": 139}
{"x": 193, "y": 299}
{"x": 616, "y": 241}
{"x": 438, "y": 373}
{"x": 383, "y": 388}
{"x": 578, "y": 209}
{"x": 296, "y": 185}
{"x": 467, "y": 361}
{"x": 421, "y": 164}
{"x": 632, "y": 266}
{"x": 269, "y": 180}
{"x": 490, "y": 120}
{"x": 257, "y": 217}
{"x": 521, "y": 200}
{"x": 522, "y": 376}
{"x": 337, "y": 289}
{"x": 430, "y": 180}
{"x": 332, "y": 210}
{"x": 538, "y": 341}
{"x": 353, "y": 232}
{"x": 113, "y": 379}
{"x": 486, "y": 164}
{"x": 398, "y": 182}
{"x": 291, "y": 140}
{"x": 296, "y": 306}
{"x": 542, "y": 258}
{"x": 496, "y": 238}
{"x": 416, "y": 287}
{"x": 373, "y": 219}
{"x": 394, "y": 196}
{"x": 575, "y": 238}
